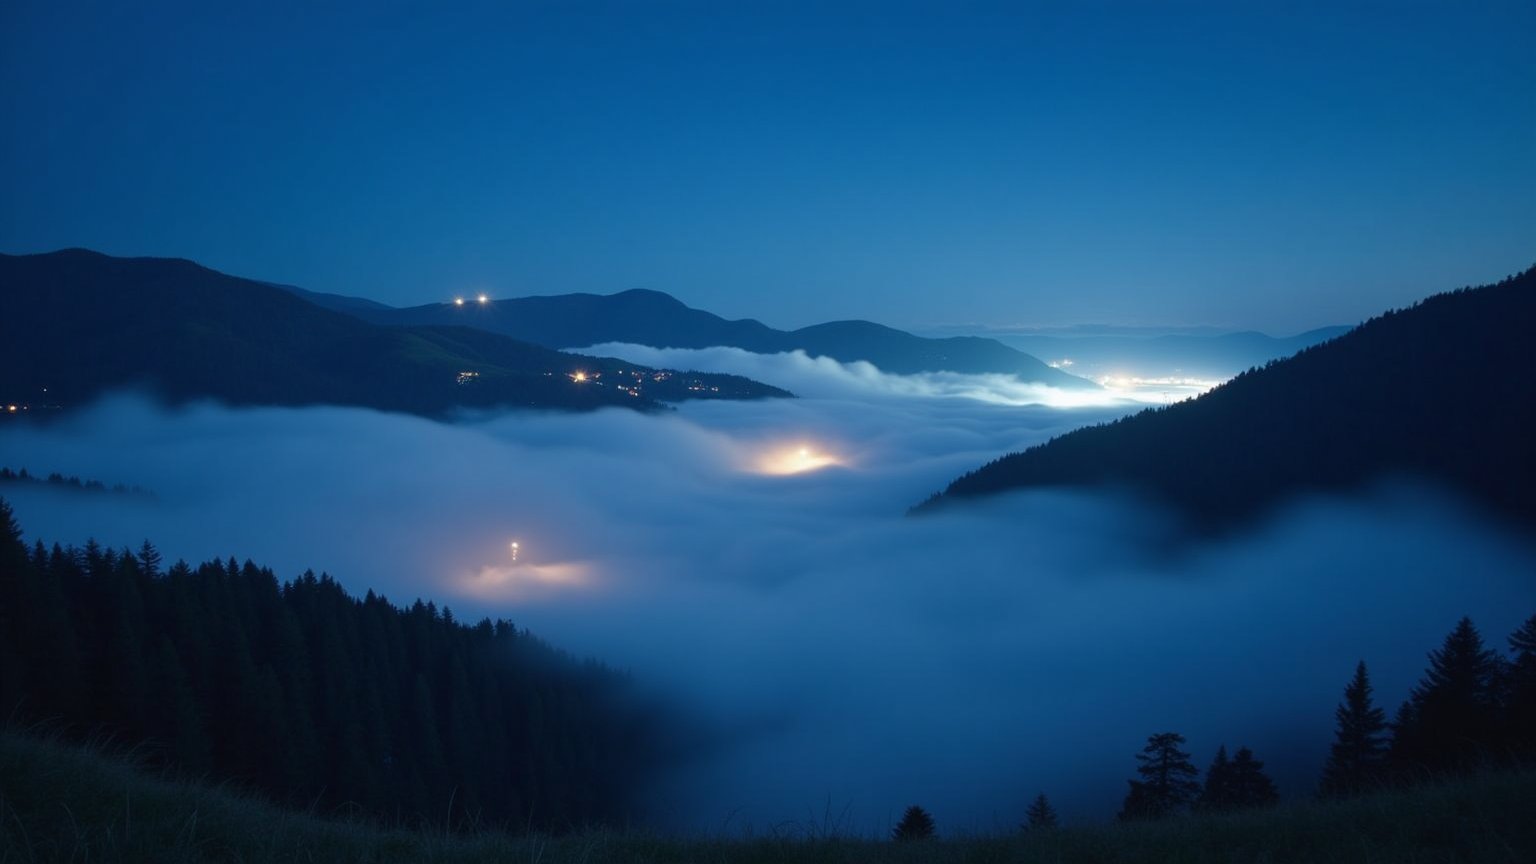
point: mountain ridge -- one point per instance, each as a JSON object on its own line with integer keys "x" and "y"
{"x": 80, "y": 323}
{"x": 657, "y": 319}
{"x": 1444, "y": 390}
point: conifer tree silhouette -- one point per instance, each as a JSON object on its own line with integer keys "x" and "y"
{"x": 1168, "y": 779}
{"x": 1451, "y": 719}
{"x": 1041, "y": 816}
{"x": 1520, "y": 721}
{"x": 1358, "y": 756}
{"x": 915, "y": 824}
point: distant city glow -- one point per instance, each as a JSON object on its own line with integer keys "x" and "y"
{"x": 579, "y": 376}
{"x": 514, "y": 551}
{"x": 794, "y": 459}
{"x": 458, "y": 301}
{"x": 1165, "y": 389}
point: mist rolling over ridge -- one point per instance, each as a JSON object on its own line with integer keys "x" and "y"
{"x": 827, "y": 647}
{"x": 767, "y": 433}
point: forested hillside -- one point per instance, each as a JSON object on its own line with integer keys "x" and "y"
{"x": 1444, "y": 391}
{"x": 312, "y": 696}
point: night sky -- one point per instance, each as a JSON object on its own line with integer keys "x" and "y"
{"x": 1273, "y": 166}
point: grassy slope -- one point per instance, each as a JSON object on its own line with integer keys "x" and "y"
{"x": 63, "y": 803}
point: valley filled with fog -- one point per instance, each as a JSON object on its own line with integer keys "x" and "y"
{"x": 752, "y": 564}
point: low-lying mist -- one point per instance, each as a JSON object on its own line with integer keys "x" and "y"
{"x": 752, "y": 562}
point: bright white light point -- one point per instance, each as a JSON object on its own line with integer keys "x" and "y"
{"x": 514, "y": 550}
{"x": 483, "y": 298}
{"x": 579, "y": 377}
{"x": 458, "y": 301}
{"x": 794, "y": 460}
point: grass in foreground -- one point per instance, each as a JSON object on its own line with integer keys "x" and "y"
{"x": 65, "y": 803}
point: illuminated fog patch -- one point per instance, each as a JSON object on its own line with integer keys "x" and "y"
{"x": 795, "y": 459}
{"x": 1164, "y": 389}
{"x": 524, "y": 581}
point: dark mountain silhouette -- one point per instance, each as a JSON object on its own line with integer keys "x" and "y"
{"x": 660, "y": 320}
{"x": 78, "y": 323}
{"x": 1444, "y": 391}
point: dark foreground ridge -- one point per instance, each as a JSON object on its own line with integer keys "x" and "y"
{"x": 78, "y": 324}
{"x": 68, "y": 803}
{"x": 1444, "y": 391}
{"x": 652, "y": 318}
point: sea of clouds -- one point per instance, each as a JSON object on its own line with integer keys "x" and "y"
{"x": 835, "y": 655}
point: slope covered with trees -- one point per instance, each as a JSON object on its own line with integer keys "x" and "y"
{"x": 79, "y": 323}
{"x": 1444, "y": 391}
{"x": 312, "y": 696}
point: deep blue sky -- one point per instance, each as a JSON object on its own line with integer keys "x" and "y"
{"x": 1238, "y": 164}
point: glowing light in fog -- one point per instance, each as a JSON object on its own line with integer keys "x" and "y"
{"x": 526, "y": 580}
{"x": 797, "y": 459}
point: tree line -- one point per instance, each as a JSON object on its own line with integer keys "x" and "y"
{"x": 1474, "y": 708}
{"x": 315, "y": 697}
{"x": 72, "y": 482}
{"x": 312, "y": 696}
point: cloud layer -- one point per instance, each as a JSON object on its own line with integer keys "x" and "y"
{"x": 833, "y": 650}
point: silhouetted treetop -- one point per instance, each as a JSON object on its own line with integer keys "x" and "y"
{"x": 915, "y": 824}
{"x": 1358, "y": 757}
{"x": 1167, "y": 783}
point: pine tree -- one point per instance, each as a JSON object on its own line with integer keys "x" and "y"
{"x": 14, "y": 567}
{"x": 1041, "y": 816}
{"x": 1358, "y": 756}
{"x": 1168, "y": 779}
{"x": 915, "y": 824}
{"x": 1140, "y": 804}
{"x": 1451, "y": 719}
{"x": 1249, "y": 786}
{"x": 1520, "y": 714}
{"x": 1238, "y": 783}
{"x": 1218, "y": 792}
{"x": 149, "y": 559}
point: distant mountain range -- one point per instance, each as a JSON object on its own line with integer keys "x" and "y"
{"x": 78, "y": 323}
{"x": 1444, "y": 391}
{"x": 660, "y": 320}
{"x": 1195, "y": 355}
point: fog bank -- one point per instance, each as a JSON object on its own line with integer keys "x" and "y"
{"x": 752, "y": 561}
